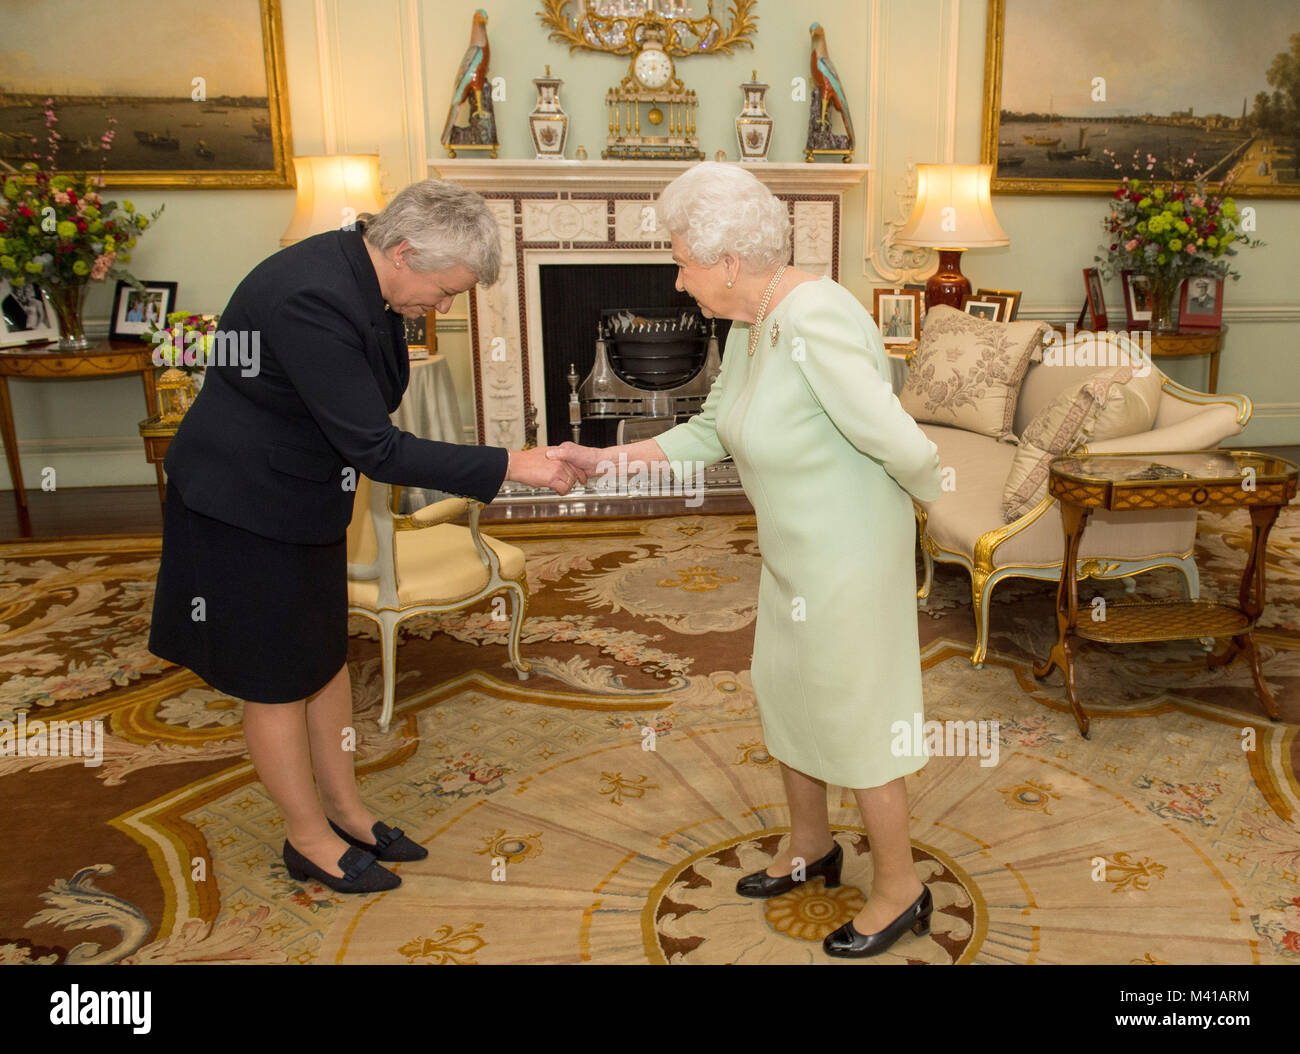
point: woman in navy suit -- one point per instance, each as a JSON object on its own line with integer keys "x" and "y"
{"x": 252, "y": 588}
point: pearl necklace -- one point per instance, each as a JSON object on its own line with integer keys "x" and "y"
{"x": 762, "y": 309}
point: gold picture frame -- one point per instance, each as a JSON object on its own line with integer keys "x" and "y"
{"x": 1018, "y": 159}
{"x": 247, "y": 118}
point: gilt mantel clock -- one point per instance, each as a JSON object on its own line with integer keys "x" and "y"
{"x": 651, "y": 113}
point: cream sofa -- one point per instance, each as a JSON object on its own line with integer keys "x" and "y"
{"x": 965, "y": 526}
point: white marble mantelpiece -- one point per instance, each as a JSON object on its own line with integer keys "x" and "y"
{"x": 585, "y": 212}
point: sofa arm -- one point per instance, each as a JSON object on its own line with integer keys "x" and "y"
{"x": 1202, "y": 431}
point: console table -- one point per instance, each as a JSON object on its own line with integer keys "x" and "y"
{"x": 47, "y": 363}
{"x": 1200, "y": 479}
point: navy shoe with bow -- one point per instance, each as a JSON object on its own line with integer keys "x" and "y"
{"x": 391, "y": 844}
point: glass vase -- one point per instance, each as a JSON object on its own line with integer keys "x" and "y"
{"x": 68, "y": 301}
{"x": 1162, "y": 304}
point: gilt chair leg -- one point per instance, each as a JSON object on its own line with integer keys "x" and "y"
{"x": 981, "y": 590}
{"x": 388, "y": 632}
{"x": 927, "y": 566}
{"x": 518, "y": 606}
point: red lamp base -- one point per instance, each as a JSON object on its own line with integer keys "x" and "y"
{"x": 947, "y": 285}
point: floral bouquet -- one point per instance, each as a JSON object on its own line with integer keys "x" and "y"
{"x": 185, "y": 341}
{"x": 57, "y": 231}
{"x": 1172, "y": 230}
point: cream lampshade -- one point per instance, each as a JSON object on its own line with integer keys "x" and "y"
{"x": 332, "y": 191}
{"x": 953, "y": 213}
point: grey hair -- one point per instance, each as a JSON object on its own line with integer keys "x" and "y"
{"x": 446, "y": 225}
{"x": 722, "y": 208}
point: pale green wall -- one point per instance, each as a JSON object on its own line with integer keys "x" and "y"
{"x": 379, "y": 52}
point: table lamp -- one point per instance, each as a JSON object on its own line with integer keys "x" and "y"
{"x": 953, "y": 213}
{"x": 333, "y": 190}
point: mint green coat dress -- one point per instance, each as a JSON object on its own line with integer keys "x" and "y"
{"x": 827, "y": 457}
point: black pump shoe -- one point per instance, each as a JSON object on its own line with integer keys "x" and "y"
{"x": 361, "y": 874}
{"x": 761, "y": 885}
{"x": 391, "y": 843}
{"x": 847, "y": 943}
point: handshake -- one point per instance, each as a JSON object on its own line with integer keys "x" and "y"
{"x": 558, "y": 467}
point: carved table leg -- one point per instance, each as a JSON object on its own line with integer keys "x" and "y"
{"x": 1073, "y": 519}
{"x": 1251, "y": 598}
{"x": 10, "y": 438}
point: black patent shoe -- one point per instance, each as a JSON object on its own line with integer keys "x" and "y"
{"x": 391, "y": 843}
{"x": 847, "y": 943}
{"x": 761, "y": 885}
{"x": 361, "y": 873}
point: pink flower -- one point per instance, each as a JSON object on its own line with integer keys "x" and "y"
{"x": 61, "y": 197}
{"x": 1191, "y": 250}
{"x": 101, "y": 265}
{"x": 1130, "y": 245}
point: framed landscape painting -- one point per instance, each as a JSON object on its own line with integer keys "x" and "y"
{"x": 1073, "y": 90}
{"x": 198, "y": 98}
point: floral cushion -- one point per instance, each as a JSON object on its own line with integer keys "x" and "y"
{"x": 966, "y": 372}
{"x": 1113, "y": 403}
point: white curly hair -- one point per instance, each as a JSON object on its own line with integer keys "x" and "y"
{"x": 719, "y": 208}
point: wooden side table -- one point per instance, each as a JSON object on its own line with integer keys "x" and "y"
{"x": 48, "y": 363}
{"x": 1200, "y": 479}
{"x": 1189, "y": 345}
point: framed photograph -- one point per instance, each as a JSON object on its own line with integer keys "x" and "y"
{"x": 1049, "y": 125}
{"x": 28, "y": 315}
{"x": 1137, "y": 300}
{"x": 898, "y": 314}
{"x": 1200, "y": 303}
{"x": 989, "y": 310}
{"x": 136, "y": 314}
{"x": 1095, "y": 308}
{"x": 224, "y": 123}
{"x": 1011, "y": 297}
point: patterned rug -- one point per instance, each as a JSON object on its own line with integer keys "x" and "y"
{"x": 602, "y": 810}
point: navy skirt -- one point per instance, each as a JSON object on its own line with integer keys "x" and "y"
{"x": 258, "y": 619}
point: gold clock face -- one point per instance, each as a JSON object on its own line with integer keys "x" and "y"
{"x": 653, "y": 68}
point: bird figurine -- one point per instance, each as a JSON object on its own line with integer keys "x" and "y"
{"x": 471, "y": 79}
{"x": 830, "y": 92}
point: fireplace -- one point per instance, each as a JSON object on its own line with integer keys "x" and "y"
{"x": 654, "y": 342}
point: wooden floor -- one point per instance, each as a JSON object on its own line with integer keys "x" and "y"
{"x": 83, "y": 511}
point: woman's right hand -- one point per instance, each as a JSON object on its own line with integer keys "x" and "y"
{"x": 538, "y": 469}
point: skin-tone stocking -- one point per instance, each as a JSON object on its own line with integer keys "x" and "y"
{"x": 283, "y": 740}
{"x": 894, "y": 884}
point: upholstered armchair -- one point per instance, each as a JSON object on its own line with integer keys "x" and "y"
{"x": 403, "y": 566}
{"x": 969, "y": 527}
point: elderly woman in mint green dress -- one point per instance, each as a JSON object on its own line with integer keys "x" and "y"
{"x": 828, "y": 458}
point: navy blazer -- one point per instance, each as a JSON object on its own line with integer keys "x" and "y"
{"x": 277, "y": 452}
